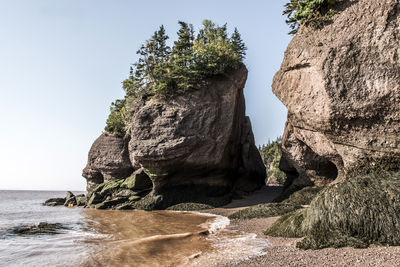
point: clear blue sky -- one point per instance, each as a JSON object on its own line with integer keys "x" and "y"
{"x": 62, "y": 63}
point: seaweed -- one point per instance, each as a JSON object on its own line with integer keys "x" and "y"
{"x": 264, "y": 211}
{"x": 357, "y": 212}
{"x": 189, "y": 206}
{"x": 289, "y": 225}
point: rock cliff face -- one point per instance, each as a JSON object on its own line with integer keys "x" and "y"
{"x": 195, "y": 147}
{"x": 341, "y": 85}
{"x": 108, "y": 159}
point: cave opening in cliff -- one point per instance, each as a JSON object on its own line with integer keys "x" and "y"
{"x": 327, "y": 169}
{"x": 320, "y": 169}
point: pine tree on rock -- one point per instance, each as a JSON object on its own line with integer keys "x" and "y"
{"x": 238, "y": 45}
{"x": 182, "y": 58}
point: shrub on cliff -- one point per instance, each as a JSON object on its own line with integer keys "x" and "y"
{"x": 309, "y": 12}
{"x": 116, "y": 121}
{"x": 271, "y": 155}
{"x": 162, "y": 71}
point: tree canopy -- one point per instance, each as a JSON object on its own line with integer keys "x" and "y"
{"x": 163, "y": 71}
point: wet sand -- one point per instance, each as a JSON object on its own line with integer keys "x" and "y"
{"x": 283, "y": 251}
{"x": 140, "y": 238}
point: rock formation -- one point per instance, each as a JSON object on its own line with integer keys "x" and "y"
{"x": 195, "y": 147}
{"x": 341, "y": 85}
{"x": 108, "y": 159}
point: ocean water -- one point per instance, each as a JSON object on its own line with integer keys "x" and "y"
{"x": 116, "y": 238}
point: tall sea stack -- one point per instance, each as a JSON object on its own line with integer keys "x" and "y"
{"x": 194, "y": 147}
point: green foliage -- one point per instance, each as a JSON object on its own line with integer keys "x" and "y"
{"x": 313, "y": 13}
{"x": 163, "y": 71}
{"x": 116, "y": 121}
{"x": 271, "y": 155}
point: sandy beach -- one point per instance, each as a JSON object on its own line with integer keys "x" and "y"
{"x": 283, "y": 251}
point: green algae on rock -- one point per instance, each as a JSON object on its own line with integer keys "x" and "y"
{"x": 190, "y": 207}
{"x": 289, "y": 225}
{"x": 298, "y": 195}
{"x": 264, "y": 211}
{"x": 360, "y": 211}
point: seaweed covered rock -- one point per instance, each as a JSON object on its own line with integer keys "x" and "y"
{"x": 42, "y": 228}
{"x": 70, "y": 199}
{"x": 340, "y": 84}
{"x": 58, "y": 201}
{"x": 287, "y": 202}
{"x": 190, "y": 207}
{"x": 264, "y": 211}
{"x": 121, "y": 193}
{"x": 289, "y": 225}
{"x": 298, "y": 195}
{"x": 195, "y": 147}
{"x": 357, "y": 212}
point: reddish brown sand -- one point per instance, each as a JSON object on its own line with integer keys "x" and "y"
{"x": 283, "y": 251}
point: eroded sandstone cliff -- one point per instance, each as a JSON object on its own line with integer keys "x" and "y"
{"x": 341, "y": 85}
{"x": 195, "y": 147}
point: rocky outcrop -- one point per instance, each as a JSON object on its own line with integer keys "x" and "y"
{"x": 108, "y": 159}
{"x": 42, "y": 228}
{"x": 195, "y": 147}
{"x": 341, "y": 85}
{"x": 70, "y": 200}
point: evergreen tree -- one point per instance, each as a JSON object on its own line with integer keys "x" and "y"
{"x": 182, "y": 58}
{"x": 182, "y": 52}
{"x": 215, "y": 53}
{"x": 162, "y": 50}
{"x": 238, "y": 45}
{"x": 161, "y": 71}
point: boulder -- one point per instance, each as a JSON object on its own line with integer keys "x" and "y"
{"x": 54, "y": 202}
{"x": 138, "y": 181}
{"x": 42, "y": 228}
{"x": 95, "y": 198}
{"x": 110, "y": 203}
{"x": 81, "y": 200}
{"x": 70, "y": 199}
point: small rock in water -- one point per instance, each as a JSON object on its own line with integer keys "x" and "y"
{"x": 54, "y": 201}
{"x": 38, "y": 229}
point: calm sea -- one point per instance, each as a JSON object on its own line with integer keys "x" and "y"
{"x": 114, "y": 238}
